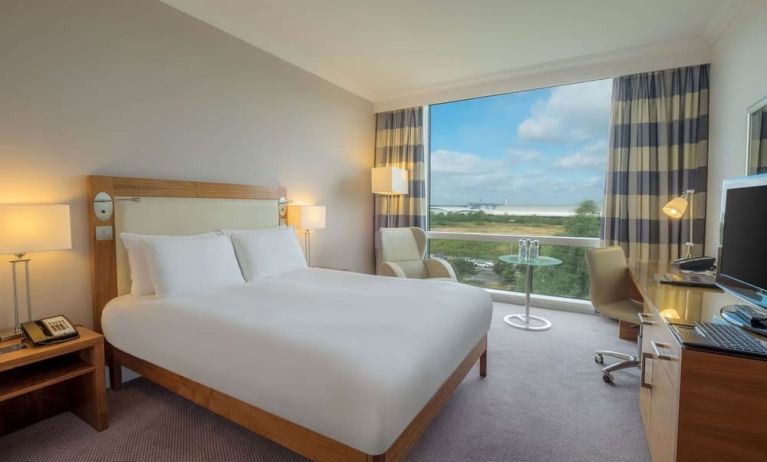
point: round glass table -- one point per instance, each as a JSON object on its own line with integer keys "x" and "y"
{"x": 522, "y": 321}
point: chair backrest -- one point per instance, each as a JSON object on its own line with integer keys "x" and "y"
{"x": 406, "y": 247}
{"x": 609, "y": 274}
{"x": 402, "y": 244}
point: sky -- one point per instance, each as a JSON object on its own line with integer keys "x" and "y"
{"x": 538, "y": 147}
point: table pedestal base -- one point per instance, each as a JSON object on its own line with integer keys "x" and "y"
{"x": 527, "y": 322}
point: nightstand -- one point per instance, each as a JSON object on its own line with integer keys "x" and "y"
{"x": 38, "y": 382}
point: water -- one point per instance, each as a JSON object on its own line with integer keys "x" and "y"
{"x": 538, "y": 210}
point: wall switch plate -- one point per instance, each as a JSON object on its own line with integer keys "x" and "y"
{"x": 104, "y": 233}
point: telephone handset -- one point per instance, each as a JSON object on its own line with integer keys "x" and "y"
{"x": 49, "y": 330}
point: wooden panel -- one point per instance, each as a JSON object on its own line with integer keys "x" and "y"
{"x": 145, "y": 187}
{"x": 299, "y": 439}
{"x": 628, "y": 331}
{"x": 295, "y": 437}
{"x": 103, "y": 253}
{"x": 663, "y": 428}
{"x": 20, "y": 381}
{"x": 722, "y": 408}
{"x": 33, "y": 407}
{"x": 89, "y": 391}
{"x": 103, "y": 256}
{"x": 19, "y": 358}
{"x": 38, "y": 382}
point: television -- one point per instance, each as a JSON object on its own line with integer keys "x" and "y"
{"x": 742, "y": 266}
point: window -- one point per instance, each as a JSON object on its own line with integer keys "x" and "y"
{"x": 520, "y": 164}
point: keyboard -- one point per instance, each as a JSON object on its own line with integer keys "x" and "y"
{"x": 729, "y": 338}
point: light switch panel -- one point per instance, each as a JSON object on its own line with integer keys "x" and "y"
{"x": 104, "y": 233}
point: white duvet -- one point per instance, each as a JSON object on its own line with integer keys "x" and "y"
{"x": 353, "y": 357}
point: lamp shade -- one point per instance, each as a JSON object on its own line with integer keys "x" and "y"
{"x": 34, "y": 228}
{"x": 676, "y": 207}
{"x": 307, "y": 216}
{"x": 389, "y": 180}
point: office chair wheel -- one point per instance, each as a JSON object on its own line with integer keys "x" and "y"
{"x": 607, "y": 378}
{"x": 599, "y": 359}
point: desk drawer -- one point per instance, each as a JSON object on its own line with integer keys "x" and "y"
{"x": 659, "y": 342}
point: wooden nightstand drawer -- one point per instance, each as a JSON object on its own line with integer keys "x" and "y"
{"x": 38, "y": 382}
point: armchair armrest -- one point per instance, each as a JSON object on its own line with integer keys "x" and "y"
{"x": 439, "y": 268}
{"x": 391, "y": 269}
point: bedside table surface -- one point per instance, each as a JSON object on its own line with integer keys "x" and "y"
{"x": 32, "y": 354}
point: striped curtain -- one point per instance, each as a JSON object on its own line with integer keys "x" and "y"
{"x": 658, "y": 150}
{"x": 757, "y": 145}
{"x": 399, "y": 143}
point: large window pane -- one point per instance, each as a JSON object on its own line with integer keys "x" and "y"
{"x": 477, "y": 263}
{"x": 519, "y": 163}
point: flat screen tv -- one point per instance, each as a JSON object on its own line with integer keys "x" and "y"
{"x": 742, "y": 266}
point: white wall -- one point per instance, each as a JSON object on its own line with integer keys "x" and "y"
{"x": 137, "y": 88}
{"x": 738, "y": 79}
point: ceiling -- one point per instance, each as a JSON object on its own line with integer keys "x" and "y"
{"x": 383, "y": 49}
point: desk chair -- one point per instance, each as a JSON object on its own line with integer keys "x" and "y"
{"x": 614, "y": 295}
{"x": 403, "y": 255}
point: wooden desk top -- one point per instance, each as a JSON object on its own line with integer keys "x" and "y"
{"x": 30, "y": 355}
{"x": 679, "y": 304}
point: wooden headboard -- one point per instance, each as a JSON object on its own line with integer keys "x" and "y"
{"x": 104, "y": 252}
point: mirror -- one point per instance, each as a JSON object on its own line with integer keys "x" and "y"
{"x": 757, "y": 138}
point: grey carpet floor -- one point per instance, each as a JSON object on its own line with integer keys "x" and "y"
{"x": 543, "y": 400}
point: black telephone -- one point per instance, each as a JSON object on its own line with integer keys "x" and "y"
{"x": 49, "y": 330}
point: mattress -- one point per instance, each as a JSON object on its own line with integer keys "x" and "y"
{"x": 353, "y": 357}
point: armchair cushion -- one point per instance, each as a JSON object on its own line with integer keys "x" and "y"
{"x": 391, "y": 269}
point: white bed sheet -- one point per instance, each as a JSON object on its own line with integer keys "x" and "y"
{"x": 351, "y": 356}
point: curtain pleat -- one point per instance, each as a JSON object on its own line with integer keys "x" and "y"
{"x": 658, "y": 150}
{"x": 399, "y": 143}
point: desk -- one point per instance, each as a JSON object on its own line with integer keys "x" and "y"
{"x": 695, "y": 405}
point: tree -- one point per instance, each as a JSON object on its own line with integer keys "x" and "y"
{"x": 463, "y": 267}
{"x": 571, "y": 279}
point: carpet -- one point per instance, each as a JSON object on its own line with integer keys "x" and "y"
{"x": 543, "y": 400}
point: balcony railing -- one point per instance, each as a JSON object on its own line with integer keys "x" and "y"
{"x": 475, "y": 258}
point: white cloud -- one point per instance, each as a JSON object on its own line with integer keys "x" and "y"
{"x": 577, "y": 112}
{"x": 523, "y": 155}
{"x": 459, "y": 178}
{"x": 592, "y": 156}
{"x": 459, "y": 163}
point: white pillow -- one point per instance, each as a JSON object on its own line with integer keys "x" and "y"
{"x": 138, "y": 260}
{"x": 267, "y": 252}
{"x": 141, "y": 280}
{"x": 185, "y": 264}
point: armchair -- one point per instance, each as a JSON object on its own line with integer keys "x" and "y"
{"x": 402, "y": 254}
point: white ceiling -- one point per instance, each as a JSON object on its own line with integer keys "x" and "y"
{"x": 380, "y": 49}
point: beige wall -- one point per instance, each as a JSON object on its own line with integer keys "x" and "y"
{"x": 136, "y": 88}
{"x": 738, "y": 79}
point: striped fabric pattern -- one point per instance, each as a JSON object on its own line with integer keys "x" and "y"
{"x": 757, "y": 145}
{"x": 658, "y": 150}
{"x": 399, "y": 143}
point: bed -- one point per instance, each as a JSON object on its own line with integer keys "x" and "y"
{"x": 333, "y": 365}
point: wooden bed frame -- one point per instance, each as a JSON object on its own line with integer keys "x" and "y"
{"x": 295, "y": 437}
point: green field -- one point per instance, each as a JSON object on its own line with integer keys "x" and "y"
{"x": 477, "y": 263}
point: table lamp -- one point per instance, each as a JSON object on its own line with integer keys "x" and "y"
{"x": 675, "y": 208}
{"x": 30, "y": 228}
{"x": 389, "y": 181}
{"x": 307, "y": 218}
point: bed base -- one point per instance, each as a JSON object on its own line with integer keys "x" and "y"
{"x": 288, "y": 434}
